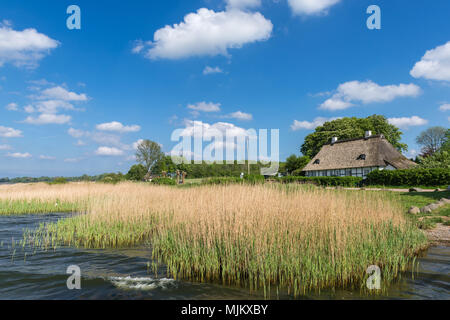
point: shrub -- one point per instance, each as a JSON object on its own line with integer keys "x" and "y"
{"x": 411, "y": 177}
{"x": 164, "y": 181}
{"x": 59, "y": 180}
{"x": 324, "y": 181}
{"x": 222, "y": 180}
{"x": 254, "y": 179}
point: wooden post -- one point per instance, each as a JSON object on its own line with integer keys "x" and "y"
{"x": 183, "y": 176}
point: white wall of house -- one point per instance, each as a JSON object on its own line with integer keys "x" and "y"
{"x": 350, "y": 172}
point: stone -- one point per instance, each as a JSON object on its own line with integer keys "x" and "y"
{"x": 433, "y": 206}
{"x": 426, "y": 209}
{"x": 413, "y": 190}
{"x": 414, "y": 210}
{"x": 444, "y": 200}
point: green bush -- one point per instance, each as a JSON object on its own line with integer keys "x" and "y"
{"x": 222, "y": 180}
{"x": 324, "y": 181}
{"x": 411, "y": 177}
{"x": 164, "y": 181}
{"x": 254, "y": 179}
{"x": 59, "y": 180}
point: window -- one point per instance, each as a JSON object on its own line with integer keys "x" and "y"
{"x": 361, "y": 157}
{"x": 317, "y": 161}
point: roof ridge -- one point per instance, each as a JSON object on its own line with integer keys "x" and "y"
{"x": 356, "y": 139}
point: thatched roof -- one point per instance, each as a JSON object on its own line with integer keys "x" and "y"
{"x": 344, "y": 155}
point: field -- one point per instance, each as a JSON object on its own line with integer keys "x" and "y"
{"x": 262, "y": 236}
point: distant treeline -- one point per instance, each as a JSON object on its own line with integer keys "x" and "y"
{"x": 52, "y": 179}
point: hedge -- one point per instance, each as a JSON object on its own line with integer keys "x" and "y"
{"x": 411, "y": 177}
{"x": 164, "y": 181}
{"x": 324, "y": 181}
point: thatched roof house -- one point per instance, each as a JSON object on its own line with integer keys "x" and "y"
{"x": 357, "y": 157}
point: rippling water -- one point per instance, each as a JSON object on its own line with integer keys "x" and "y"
{"x": 125, "y": 274}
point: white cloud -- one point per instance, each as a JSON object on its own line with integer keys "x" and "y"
{"x": 29, "y": 109}
{"x": 367, "y": 92}
{"x": 317, "y": 122}
{"x": 76, "y": 133}
{"x": 12, "y": 106}
{"x": 6, "y": 132}
{"x": 434, "y": 65}
{"x": 445, "y": 107}
{"x": 207, "y": 131}
{"x": 18, "y": 155}
{"x": 52, "y": 106}
{"x": 239, "y": 115}
{"x": 60, "y": 93}
{"x": 48, "y": 118}
{"x": 5, "y": 147}
{"x": 211, "y": 70}
{"x": 207, "y": 33}
{"x": 137, "y": 143}
{"x": 44, "y": 157}
{"x": 406, "y": 122}
{"x": 311, "y": 7}
{"x": 23, "y": 48}
{"x": 242, "y": 4}
{"x": 73, "y": 160}
{"x": 108, "y": 151}
{"x": 205, "y": 107}
{"x": 117, "y": 127}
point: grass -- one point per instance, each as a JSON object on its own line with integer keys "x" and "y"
{"x": 260, "y": 236}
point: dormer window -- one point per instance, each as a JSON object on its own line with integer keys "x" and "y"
{"x": 361, "y": 157}
{"x": 317, "y": 161}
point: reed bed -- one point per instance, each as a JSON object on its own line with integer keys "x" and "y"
{"x": 254, "y": 236}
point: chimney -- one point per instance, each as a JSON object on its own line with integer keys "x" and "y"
{"x": 334, "y": 140}
{"x": 368, "y": 134}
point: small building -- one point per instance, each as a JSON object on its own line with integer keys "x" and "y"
{"x": 357, "y": 158}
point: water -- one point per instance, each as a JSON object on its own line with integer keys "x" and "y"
{"x": 125, "y": 274}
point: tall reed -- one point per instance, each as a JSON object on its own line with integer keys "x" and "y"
{"x": 254, "y": 236}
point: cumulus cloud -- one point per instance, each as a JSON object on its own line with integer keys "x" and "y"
{"x": 367, "y": 92}
{"x": 434, "y": 65}
{"x": 407, "y": 122}
{"x": 310, "y": 125}
{"x": 116, "y": 126}
{"x": 23, "y": 48}
{"x": 206, "y": 33}
{"x": 205, "y": 107}
{"x": 12, "y": 106}
{"x": 60, "y": 93}
{"x": 109, "y": 151}
{"x": 311, "y": 7}
{"x": 6, "y": 132}
{"x": 239, "y": 115}
{"x": 19, "y": 155}
{"x": 211, "y": 70}
{"x": 445, "y": 107}
{"x": 48, "y": 118}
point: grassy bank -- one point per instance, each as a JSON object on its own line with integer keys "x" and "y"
{"x": 254, "y": 236}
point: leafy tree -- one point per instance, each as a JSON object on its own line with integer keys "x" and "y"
{"x": 148, "y": 154}
{"x": 349, "y": 128}
{"x": 432, "y": 140}
{"x": 296, "y": 164}
{"x": 440, "y": 159}
{"x": 136, "y": 173}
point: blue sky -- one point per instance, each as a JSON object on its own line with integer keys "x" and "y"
{"x": 75, "y": 101}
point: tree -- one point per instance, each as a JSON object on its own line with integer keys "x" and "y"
{"x": 294, "y": 163}
{"x": 148, "y": 154}
{"x": 440, "y": 159}
{"x": 136, "y": 173}
{"x": 349, "y": 128}
{"x": 432, "y": 140}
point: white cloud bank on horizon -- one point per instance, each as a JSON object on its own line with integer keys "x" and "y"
{"x": 367, "y": 92}
{"x": 406, "y": 122}
{"x": 311, "y": 7}
{"x": 434, "y": 65}
{"x": 206, "y": 33}
{"x": 23, "y": 48}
